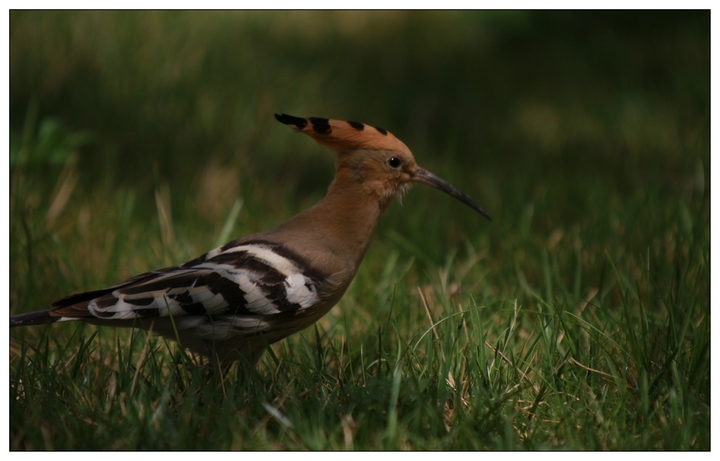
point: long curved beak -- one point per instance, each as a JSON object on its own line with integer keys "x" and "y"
{"x": 425, "y": 177}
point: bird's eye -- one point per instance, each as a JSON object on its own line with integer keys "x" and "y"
{"x": 394, "y": 162}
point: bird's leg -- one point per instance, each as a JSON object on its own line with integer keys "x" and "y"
{"x": 213, "y": 365}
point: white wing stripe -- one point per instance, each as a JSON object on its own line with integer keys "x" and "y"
{"x": 299, "y": 291}
{"x": 269, "y": 257}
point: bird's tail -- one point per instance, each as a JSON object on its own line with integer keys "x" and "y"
{"x": 33, "y": 318}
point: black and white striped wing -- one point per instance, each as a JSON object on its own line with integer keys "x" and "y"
{"x": 253, "y": 280}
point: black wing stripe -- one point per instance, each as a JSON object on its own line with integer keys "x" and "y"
{"x": 143, "y": 301}
{"x": 242, "y": 260}
{"x": 163, "y": 282}
{"x": 147, "y": 312}
{"x": 300, "y": 261}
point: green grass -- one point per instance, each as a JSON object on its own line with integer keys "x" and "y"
{"x": 577, "y": 319}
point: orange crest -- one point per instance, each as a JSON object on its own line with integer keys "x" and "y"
{"x": 340, "y": 135}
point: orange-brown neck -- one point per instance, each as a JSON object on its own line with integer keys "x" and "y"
{"x": 336, "y": 233}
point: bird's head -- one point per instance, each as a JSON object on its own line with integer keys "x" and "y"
{"x": 372, "y": 159}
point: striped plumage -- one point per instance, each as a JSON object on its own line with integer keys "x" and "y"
{"x": 261, "y": 288}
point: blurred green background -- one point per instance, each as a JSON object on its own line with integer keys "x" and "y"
{"x": 136, "y": 136}
{"x": 481, "y": 96}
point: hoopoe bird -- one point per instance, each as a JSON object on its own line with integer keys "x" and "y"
{"x": 233, "y": 301}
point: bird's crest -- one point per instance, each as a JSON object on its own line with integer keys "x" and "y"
{"x": 340, "y": 135}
